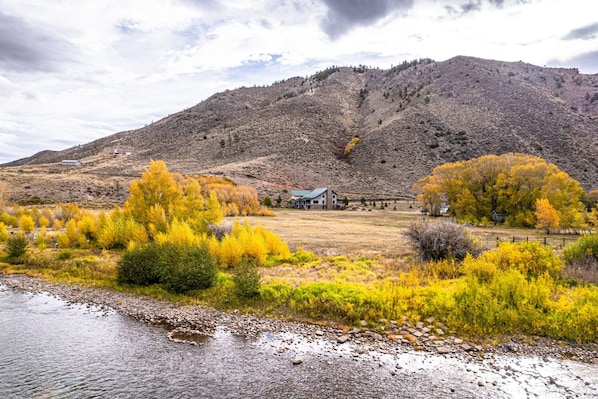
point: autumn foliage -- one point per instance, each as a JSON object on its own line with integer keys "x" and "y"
{"x": 527, "y": 189}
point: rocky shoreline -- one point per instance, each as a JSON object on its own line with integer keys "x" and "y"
{"x": 183, "y": 321}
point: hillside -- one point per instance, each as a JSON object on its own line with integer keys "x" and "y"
{"x": 292, "y": 134}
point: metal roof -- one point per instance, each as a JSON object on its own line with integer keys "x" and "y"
{"x": 299, "y": 193}
{"x": 315, "y": 193}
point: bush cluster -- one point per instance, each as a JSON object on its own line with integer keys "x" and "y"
{"x": 179, "y": 268}
{"x": 434, "y": 241}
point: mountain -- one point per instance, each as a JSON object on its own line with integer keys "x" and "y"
{"x": 293, "y": 133}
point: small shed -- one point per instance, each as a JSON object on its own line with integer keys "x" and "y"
{"x": 498, "y": 217}
{"x": 70, "y": 162}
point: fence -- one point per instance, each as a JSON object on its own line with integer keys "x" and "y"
{"x": 557, "y": 243}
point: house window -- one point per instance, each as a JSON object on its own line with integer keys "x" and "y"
{"x": 315, "y": 202}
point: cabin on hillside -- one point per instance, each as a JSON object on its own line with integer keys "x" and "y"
{"x": 120, "y": 151}
{"x": 320, "y": 198}
{"x": 70, "y": 162}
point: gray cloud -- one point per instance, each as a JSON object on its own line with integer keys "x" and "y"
{"x": 476, "y": 5}
{"x": 471, "y": 6}
{"x": 586, "y": 63}
{"x": 586, "y": 33}
{"x": 343, "y": 15}
{"x": 25, "y": 48}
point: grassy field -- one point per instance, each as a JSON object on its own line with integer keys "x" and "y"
{"x": 374, "y": 233}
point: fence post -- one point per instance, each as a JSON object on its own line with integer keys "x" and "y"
{"x": 545, "y": 241}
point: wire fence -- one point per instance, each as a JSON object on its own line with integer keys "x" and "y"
{"x": 557, "y": 243}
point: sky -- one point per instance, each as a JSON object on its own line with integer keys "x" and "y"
{"x": 73, "y": 71}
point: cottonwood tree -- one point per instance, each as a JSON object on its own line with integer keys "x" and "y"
{"x": 160, "y": 197}
{"x": 510, "y": 183}
{"x": 546, "y": 216}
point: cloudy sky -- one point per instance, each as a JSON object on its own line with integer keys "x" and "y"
{"x": 72, "y": 71}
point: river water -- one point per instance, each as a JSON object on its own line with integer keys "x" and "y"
{"x": 52, "y": 349}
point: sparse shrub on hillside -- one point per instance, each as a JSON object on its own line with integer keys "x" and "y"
{"x": 350, "y": 145}
{"x": 441, "y": 240}
{"x": 323, "y": 75}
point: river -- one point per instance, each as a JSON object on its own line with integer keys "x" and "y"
{"x": 50, "y": 348}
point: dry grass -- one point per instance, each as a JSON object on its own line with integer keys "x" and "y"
{"x": 376, "y": 233}
{"x": 335, "y": 233}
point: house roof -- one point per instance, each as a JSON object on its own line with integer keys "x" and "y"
{"x": 299, "y": 193}
{"x": 315, "y": 193}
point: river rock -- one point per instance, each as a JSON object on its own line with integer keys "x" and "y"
{"x": 342, "y": 339}
{"x": 443, "y": 350}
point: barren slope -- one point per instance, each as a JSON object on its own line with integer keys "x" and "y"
{"x": 410, "y": 119}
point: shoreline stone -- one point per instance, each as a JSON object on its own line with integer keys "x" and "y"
{"x": 191, "y": 324}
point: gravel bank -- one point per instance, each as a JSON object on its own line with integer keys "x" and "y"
{"x": 428, "y": 336}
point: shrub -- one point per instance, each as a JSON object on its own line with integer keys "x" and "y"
{"x": 441, "y": 240}
{"x": 139, "y": 265}
{"x": 581, "y": 258}
{"x": 532, "y": 259}
{"x": 187, "y": 268}
{"x": 26, "y": 223}
{"x": 220, "y": 230}
{"x": 16, "y": 245}
{"x": 3, "y": 232}
{"x": 247, "y": 278}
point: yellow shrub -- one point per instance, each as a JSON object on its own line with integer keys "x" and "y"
{"x": 3, "y": 232}
{"x": 252, "y": 244}
{"x": 135, "y": 232}
{"x": 480, "y": 268}
{"x": 44, "y": 221}
{"x": 87, "y": 226}
{"x": 71, "y": 231}
{"x": 350, "y": 145}
{"x": 178, "y": 233}
{"x": 58, "y": 224}
{"x": 8, "y": 220}
{"x": 231, "y": 251}
{"x": 531, "y": 258}
{"x": 63, "y": 240}
{"x": 443, "y": 269}
{"x": 274, "y": 244}
{"x": 26, "y": 223}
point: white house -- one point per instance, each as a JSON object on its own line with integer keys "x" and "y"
{"x": 320, "y": 198}
{"x": 70, "y": 162}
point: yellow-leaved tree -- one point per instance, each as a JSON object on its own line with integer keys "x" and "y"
{"x": 507, "y": 184}
{"x": 160, "y": 197}
{"x": 156, "y": 191}
{"x": 546, "y": 216}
